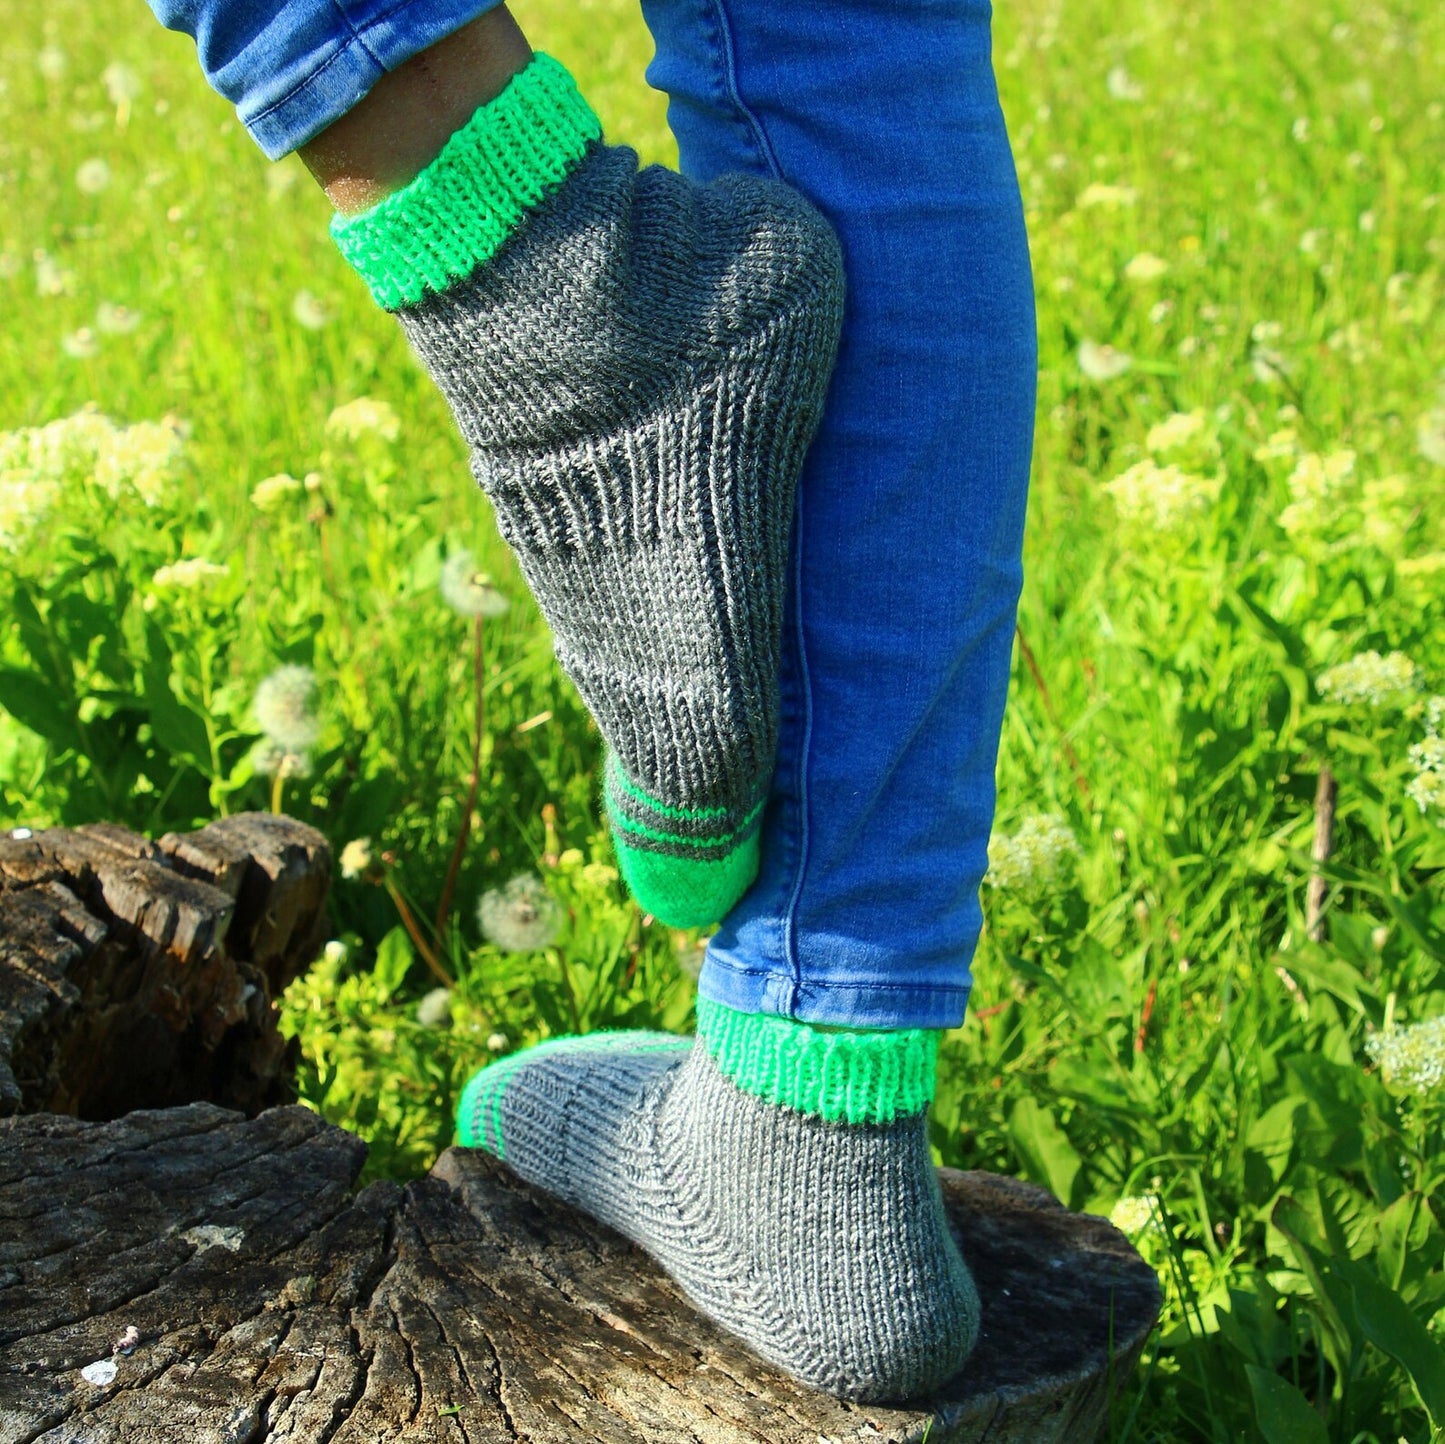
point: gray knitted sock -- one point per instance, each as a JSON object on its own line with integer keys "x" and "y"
{"x": 820, "y": 1241}
{"x": 638, "y": 364}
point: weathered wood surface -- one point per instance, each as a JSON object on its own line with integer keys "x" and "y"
{"x": 139, "y": 974}
{"x": 189, "y": 1275}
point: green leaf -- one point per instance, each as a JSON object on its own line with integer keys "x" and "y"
{"x": 1390, "y": 1324}
{"x": 1044, "y": 1147}
{"x": 33, "y": 702}
{"x": 1283, "y": 1414}
{"x": 393, "y": 961}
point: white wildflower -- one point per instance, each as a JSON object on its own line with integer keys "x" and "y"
{"x": 435, "y": 1009}
{"x": 1312, "y": 241}
{"x": 271, "y": 492}
{"x": 1411, "y": 1058}
{"x": 1122, "y": 86}
{"x": 356, "y": 858}
{"x": 520, "y": 917}
{"x": 1370, "y": 679}
{"x": 1162, "y": 498}
{"x": 1109, "y": 196}
{"x": 1427, "y": 788}
{"x": 1101, "y": 362}
{"x": 1300, "y": 130}
{"x": 1176, "y": 431}
{"x": 92, "y": 176}
{"x": 1160, "y": 311}
{"x": 145, "y": 458}
{"x": 1315, "y": 487}
{"x": 336, "y": 952}
{"x": 285, "y": 707}
{"x": 1282, "y": 445}
{"x": 51, "y": 62}
{"x": 1031, "y": 857}
{"x": 115, "y": 320}
{"x": 80, "y": 345}
{"x": 310, "y": 311}
{"x": 362, "y": 416}
{"x": 496, "y": 1042}
{"x": 467, "y": 591}
{"x": 188, "y": 573}
{"x": 1145, "y": 267}
{"x": 1430, "y": 435}
{"x": 1137, "y": 1214}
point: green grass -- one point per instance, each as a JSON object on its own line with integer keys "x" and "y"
{"x": 1153, "y": 1022}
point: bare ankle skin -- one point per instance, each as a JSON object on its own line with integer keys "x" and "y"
{"x": 398, "y": 127}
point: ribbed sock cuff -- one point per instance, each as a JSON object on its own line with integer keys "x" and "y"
{"x": 841, "y": 1077}
{"x": 460, "y": 210}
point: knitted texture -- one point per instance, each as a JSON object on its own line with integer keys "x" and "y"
{"x": 837, "y": 1074}
{"x": 638, "y": 371}
{"x": 463, "y": 206}
{"x": 823, "y": 1245}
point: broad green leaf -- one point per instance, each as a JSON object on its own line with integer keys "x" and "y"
{"x": 1283, "y": 1414}
{"x": 394, "y": 958}
{"x": 1044, "y": 1147}
{"x": 32, "y": 701}
{"x": 1389, "y": 1323}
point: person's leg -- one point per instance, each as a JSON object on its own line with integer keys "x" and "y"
{"x": 638, "y": 363}
{"x": 781, "y": 1170}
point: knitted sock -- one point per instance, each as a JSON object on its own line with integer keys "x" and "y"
{"x": 780, "y": 1173}
{"x": 638, "y": 364}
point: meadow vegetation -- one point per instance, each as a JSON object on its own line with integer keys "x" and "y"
{"x": 244, "y": 566}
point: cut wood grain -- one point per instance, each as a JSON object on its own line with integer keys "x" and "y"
{"x": 191, "y": 1274}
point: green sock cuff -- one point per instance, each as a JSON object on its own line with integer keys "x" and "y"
{"x": 460, "y": 210}
{"x": 840, "y": 1076}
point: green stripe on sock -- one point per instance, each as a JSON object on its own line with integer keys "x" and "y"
{"x": 687, "y": 892}
{"x": 620, "y": 780}
{"x": 479, "y": 1114}
{"x": 460, "y": 210}
{"x": 840, "y": 1076}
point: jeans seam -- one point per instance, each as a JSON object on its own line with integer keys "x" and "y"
{"x": 728, "y": 56}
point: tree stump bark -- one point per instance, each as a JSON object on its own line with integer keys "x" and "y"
{"x": 189, "y": 1273}
{"x": 137, "y": 974}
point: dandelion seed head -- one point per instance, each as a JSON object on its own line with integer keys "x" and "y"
{"x": 435, "y": 1009}
{"x": 310, "y": 311}
{"x": 1102, "y": 362}
{"x": 1411, "y": 1058}
{"x": 364, "y": 417}
{"x": 1370, "y": 679}
{"x": 80, "y": 345}
{"x": 467, "y": 591}
{"x": 116, "y": 320}
{"x": 285, "y": 707}
{"x": 1031, "y": 857}
{"x": 271, "y": 759}
{"x": 1122, "y": 86}
{"x": 356, "y": 858}
{"x": 51, "y": 61}
{"x": 521, "y": 917}
{"x": 121, "y": 83}
{"x": 92, "y": 176}
{"x": 51, "y": 278}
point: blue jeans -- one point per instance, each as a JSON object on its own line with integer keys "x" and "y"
{"x": 906, "y": 548}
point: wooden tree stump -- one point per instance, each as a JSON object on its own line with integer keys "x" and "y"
{"x": 137, "y": 974}
{"x": 190, "y": 1274}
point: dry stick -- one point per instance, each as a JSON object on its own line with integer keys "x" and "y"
{"x": 1326, "y": 790}
{"x": 408, "y": 921}
{"x": 449, "y": 887}
{"x": 1027, "y": 653}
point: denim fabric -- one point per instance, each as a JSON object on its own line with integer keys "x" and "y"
{"x": 906, "y": 546}
{"x": 291, "y": 67}
{"x": 910, "y": 516}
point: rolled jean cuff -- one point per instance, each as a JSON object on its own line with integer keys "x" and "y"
{"x": 878, "y": 1002}
{"x": 292, "y": 67}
